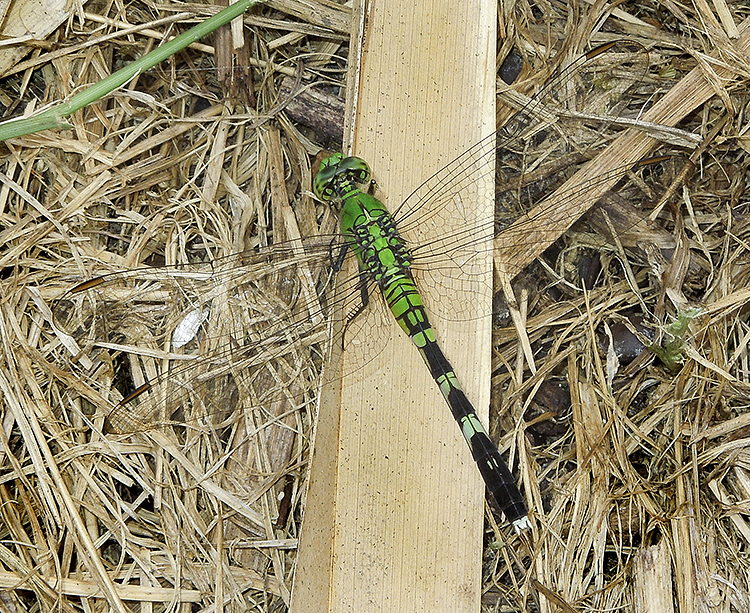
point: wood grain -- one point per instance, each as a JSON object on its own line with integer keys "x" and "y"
{"x": 395, "y": 507}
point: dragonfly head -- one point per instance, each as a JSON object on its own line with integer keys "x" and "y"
{"x": 338, "y": 173}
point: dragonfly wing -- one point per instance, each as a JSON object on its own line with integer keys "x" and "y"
{"x": 571, "y": 119}
{"x": 197, "y": 336}
{"x": 581, "y": 100}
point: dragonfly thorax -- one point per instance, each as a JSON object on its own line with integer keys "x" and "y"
{"x": 380, "y": 248}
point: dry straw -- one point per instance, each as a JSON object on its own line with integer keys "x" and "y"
{"x": 635, "y": 468}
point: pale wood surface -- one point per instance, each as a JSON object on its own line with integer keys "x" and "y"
{"x": 394, "y": 512}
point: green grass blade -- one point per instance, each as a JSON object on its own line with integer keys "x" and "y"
{"x": 53, "y": 117}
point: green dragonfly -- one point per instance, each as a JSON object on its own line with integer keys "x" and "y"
{"x": 221, "y": 332}
{"x": 383, "y": 255}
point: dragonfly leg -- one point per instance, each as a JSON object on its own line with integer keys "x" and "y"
{"x": 338, "y": 263}
{"x": 364, "y": 300}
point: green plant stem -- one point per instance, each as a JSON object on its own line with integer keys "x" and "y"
{"x": 53, "y": 117}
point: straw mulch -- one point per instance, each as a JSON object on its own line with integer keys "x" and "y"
{"x": 635, "y": 466}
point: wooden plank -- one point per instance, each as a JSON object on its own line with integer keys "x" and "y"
{"x": 394, "y": 514}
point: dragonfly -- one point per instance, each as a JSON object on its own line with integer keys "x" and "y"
{"x": 222, "y": 334}
{"x": 384, "y": 256}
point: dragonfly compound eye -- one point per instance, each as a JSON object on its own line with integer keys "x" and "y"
{"x": 323, "y": 184}
{"x": 336, "y": 169}
{"x": 357, "y": 168}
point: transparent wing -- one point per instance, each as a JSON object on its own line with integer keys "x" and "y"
{"x": 200, "y": 333}
{"x": 201, "y": 339}
{"x": 571, "y": 113}
{"x": 578, "y": 113}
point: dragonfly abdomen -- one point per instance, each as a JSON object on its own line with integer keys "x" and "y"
{"x": 388, "y": 262}
{"x": 492, "y": 467}
{"x": 405, "y": 302}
